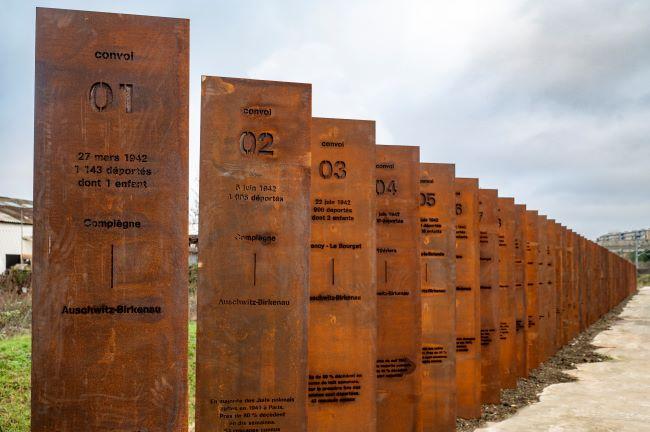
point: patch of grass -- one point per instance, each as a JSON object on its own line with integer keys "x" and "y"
{"x": 15, "y": 314}
{"x": 192, "y": 370}
{"x": 15, "y": 371}
{"x": 643, "y": 280}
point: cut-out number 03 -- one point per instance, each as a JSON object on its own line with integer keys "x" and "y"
{"x": 100, "y": 96}
{"x": 250, "y": 144}
{"x": 389, "y": 186}
{"x": 327, "y": 169}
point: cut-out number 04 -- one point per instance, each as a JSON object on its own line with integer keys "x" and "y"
{"x": 250, "y": 144}
{"x": 327, "y": 169}
{"x": 101, "y": 96}
{"x": 381, "y": 187}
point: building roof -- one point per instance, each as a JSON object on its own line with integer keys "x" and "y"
{"x": 11, "y": 210}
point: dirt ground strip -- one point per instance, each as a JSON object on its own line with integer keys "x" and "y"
{"x": 579, "y": 350}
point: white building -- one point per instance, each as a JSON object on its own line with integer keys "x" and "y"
{"x": 15, "y": 232}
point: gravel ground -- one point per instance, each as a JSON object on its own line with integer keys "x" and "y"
{"x": 579, "y": 350}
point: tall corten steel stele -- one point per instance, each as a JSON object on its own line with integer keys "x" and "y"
{"x": 520, "y": 290}
{"x": 398, "y": 289}
{"x": 254, "y": 256}
{"x": 543, "y": 283}
{"x": 438, "y": 283}
{"x": 110, "y": 254}
{"x": 468, "y": 300}
{"x": 531, "y": 221}
{"x": 489, "y": 283}
{"x": 343, "y": 296}
{"x": 507, "y": 300}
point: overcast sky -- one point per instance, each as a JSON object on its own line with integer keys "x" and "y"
{"x": 547, "y": 101}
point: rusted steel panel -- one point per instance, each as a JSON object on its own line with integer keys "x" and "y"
{"x": 519, "y": 270}
{"x": 543, "y": 283}
{"x": 468, "y": 300}
{"x": 552, "y": 293}
{"x": 110, "y": 300}
{"x": 438, "y": 282}
{"x": 343, "y": 296}
{"x": 254, "y": 258}
{"x": 558, "y": 258}
{"x": 489, "y": 284}
{"x": 507, "y": 300}
{"x": 532, "y": 289}
{"x": 565, "y": 310}
{"x": 399, "y": 327}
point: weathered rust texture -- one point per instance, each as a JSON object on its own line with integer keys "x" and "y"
{"x": 519, "y": 270}
{"x": 489, "y": 284}
{"x": 574, "y": 320}
{"x": 543, "y": 294}
{"x": 399, "y": 327}
{"x": 565, "y": 308}
{"x": 532, "y": 289}
{"x": 111, "y": 189}
{"x": 558, "y": 262}
{"x": 343, "y": 296}
{"x": 507, "y": 300}
{"x": 254, "y": 234}
{"x": 468, "y": 301}
{"x": 438, "y": 282}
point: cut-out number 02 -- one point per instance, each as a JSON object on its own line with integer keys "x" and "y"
{"x": 327, "y": 169}
{"x": 100, "y": 96}
{"x": 250, "y": 144}
{"x": 382, "y": 187}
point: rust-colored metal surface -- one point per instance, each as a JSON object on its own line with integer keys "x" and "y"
{"x": 438, "y": 282}
{"x": 110, "y": 277}
{"x": 531, "y": 222}
{"x": 543, "y": 294}
{"x": 507, "y": 299}
{"x": 399, "y": 328}
{"x": 556, "y": 230}
{"x": 343, "y": 296}
{"x": 489, "y": 284}
{"x": 468, "y": 301}
{"x": 254, "y": 233}
{"x": 519, "y": 270}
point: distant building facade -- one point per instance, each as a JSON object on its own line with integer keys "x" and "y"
{"x": 16, "y": 221}
{"x": 626, "y": 242}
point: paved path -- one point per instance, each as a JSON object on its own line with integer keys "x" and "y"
{"x": 609, "y": 396}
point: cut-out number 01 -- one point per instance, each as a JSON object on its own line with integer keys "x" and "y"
{"x": 101, "y": 96}
{"x": 260, "y": 144}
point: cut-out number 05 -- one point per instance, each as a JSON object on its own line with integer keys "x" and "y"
{"x": 249, "y": 144}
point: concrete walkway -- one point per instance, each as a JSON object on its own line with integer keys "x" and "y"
{"x": 609, "y": 396}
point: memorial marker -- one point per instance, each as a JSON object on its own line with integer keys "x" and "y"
{"x": 438, "y": 282}
{"x": 507, "y": 300}
{"x": 399, "y": 329}
{"x": 468, "y": 301}
{"x": 254, "y": 257}
{"x": 110, "y": 318}
{"x": 343, "y": 292}
{"x": 519, "y": 270}
{"x": 532, "y": 289}
{"x": 542, "y": 282}
{"x": 489, "y": 283}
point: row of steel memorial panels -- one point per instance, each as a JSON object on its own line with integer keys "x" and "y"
{"x": 343, "y": 285}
